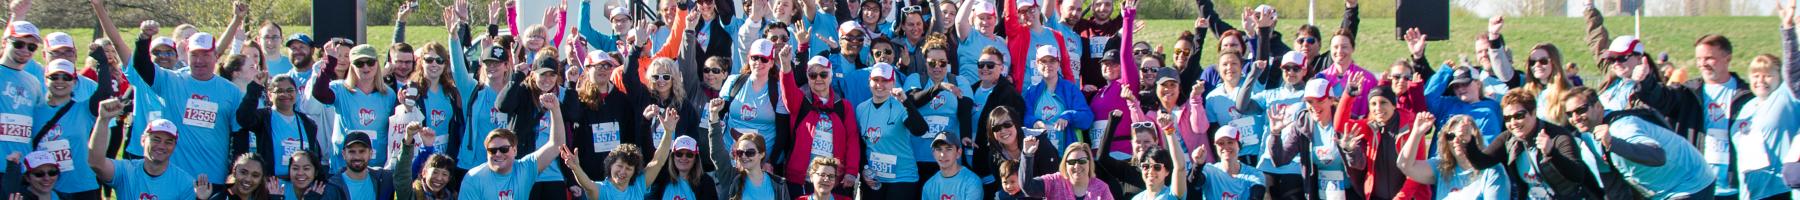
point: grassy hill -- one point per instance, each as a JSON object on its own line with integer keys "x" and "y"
{"x": 1379, "y": 46}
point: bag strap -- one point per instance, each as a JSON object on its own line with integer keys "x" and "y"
{"x": 53, "y": 119}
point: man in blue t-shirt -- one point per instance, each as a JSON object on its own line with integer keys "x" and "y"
{"x": 952, "y": 182}
{"x": 20, "y": 90}
{"x": 149, "y": 178}
{"x": 1641, "y": 147}
{"x": 498, "y": 178}
{"x": 358, "y": 179}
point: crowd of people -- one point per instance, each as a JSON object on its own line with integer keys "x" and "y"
{"x": 880, "y": 99}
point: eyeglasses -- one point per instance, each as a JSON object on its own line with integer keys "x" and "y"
{"x": 62, "y": 77}
{"x": 282, "y": 90}
{"x": 46, "y": 174}
{"x": 1307, "y": 40}
{"x": 819, "y": 75}
{"x": 685, "y": 154}
{"x": 987, "y": 65}
{"x": 25, "y": 45}
{"x": 827, "y": 176}
{"x": 712, "y": 70}
{"x": 435, "y": 60}
{"x": 745, "y": 152}
{"x": 1576, "y": 111}
{"x": 1517, "y": 116}
{"x": 662, "y": 77}
{"x": 1082, "y": 161}
{"x": 1150, "y": 166}
{"x": 499, "y": 150}
{"x": 1001, "y": 127}
{"x": 937, "y": 62}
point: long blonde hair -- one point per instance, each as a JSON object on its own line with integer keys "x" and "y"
{"x": 1455, "y": 127}
{"x": 676, "y": 91}
{"x": 354, "y": 79}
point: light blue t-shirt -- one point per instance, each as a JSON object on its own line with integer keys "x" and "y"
{"x": 146, "y": 106}
{"x": 287, "y": 134}
{"x": 280, "y": 65}
{"x": 889, "y": 143}
{"x": 129, "y": 181}
{"x": 635, "y": 190}
{"x": 824, "y": 25}
{"x": 751, "y": 110}
{"x": 764, "y": 191}
{"x": 1223, "y": 185}
{"x": 1718, "y": 99}
{"x": 1163, "y": 195}
{"x": 1222, "y": 108}
{"x": 21, "y": 94}
{"x": 1765, "y": 134}
{"x": 968, "y": 55}
{"x": 360, "y": 111}
{"x": 438, "y": 109}
{"x": 495, "y": 185}
{"x": 1483, "y": 184}
{"x": 964, "y": 186}
{"x": 679, "y": 190}
{"x": 1047, "y": 109}
{"x": 939, "y": 114}
{"x": 1676, "y": 176}
{"x": 68, "y": 136}
{"x": 483, "y": 117}
{"x": 203, "y": 112}
{"x": 358, "y": 189}
{"x": 1276, "y": 101}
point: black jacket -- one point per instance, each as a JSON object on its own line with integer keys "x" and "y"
{"x": 1560, "y": 167}
{"x": 254, "y": 120}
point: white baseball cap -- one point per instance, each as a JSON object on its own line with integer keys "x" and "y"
{"x": 1625, "y": 45}
{"x": 40, "y": 158}
{"x": 163, "y": 126}
{"x": 849, "y": 25}
{"x": 1293, "y": 57}
{"x": 1026, "y": 3}
{"x": 61, "y": 65}
{"x": 616, "y": 11}
{"x": 762, "y": 47}
{"x": 1317, "y": 88}
{"x": 60, "y": 39}
{"x": 597, "y": 57}
{"x": 22, "y": 29}
{"x": 162, "y": 41}
{"x": 686, "y": 143}
{"x": 882, "y": 70}
{"x": 199, "y": 41}
{"x": 1227, "y": 132}
{"x": 982, "y": 7}
{"x": 1046, "y": 51}
{"x": 819, "y": 60}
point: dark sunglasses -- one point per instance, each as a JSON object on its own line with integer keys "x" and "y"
{"x": 1076, "y": 161}
{"x": 883, "y": 52}
{"x": 1577, "y": 111}
{"x": 1001, "y": 127}
{"x": 819, "y": 75}
{"x": 1618, "y": 59}
{"x": 435, "y": 60}
{"x": 987, "y": 65}
{"x": 1141, "y": 52}
{"x": 937, "y": 62}
{"x": 46, "y": 174}
{"x": 745, "y": 152}
{"x": 25, "y": 45}
{"x": 1307, "y": 40}
{"x": 363, "y": 63}
{"x": 1150, "y": 166}
{"x": 165, "y": 53}
{"x": 759, "y": 59}
{"x": 782, "y": 38}
{"x": 499, "y": 150}
{"x": 1517, "y": 116}
{"x": 853, "y": 38}
{"x": 1290, "y": 67}
{"x": 62, "y": 77}
{"x": 712, "y": 70}
{"x": 1398, "y": 77}
{"x": 685, "y": 154}
{"x": 1537, "y": 60}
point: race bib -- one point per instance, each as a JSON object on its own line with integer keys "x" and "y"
{"x": 935, "y": 124}
{"x": 1718, "y": 149}
{"x": 1097, "y": 46}
{"x": 1537, "y": 193}
{"x": 15, "y": 128}
{"x": 606, "y": 137}
{"x": 1242, "y": 124}
{"x": 882, "y": 164}
{"x": 291, "y": 145}
{"x": 60, "y": 150}
{"x": 200, "y": 113}
{"x": 821, "y": 141}
{"x": 1333, "y": 191}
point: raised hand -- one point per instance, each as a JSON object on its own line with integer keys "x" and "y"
{"x": 495, "y": 9}
{"x": 1423, "y": 123}
{"x": 14, "y": 157}
{"x": 112, "y": 108}
{"x": 407, "y": 8}
{"x": 274, "y": 186}
{"x": 1351, "y": 3}
{"x": 1202, "y": 22}
{"x": 240, "y": 8}
{"x": 553, "y": 15}
{"x": 1415, "y": 42}
{"x": 1496, "y": 23}
{"x": 1353, "y": 139}
{"x": 149, "y": 28}
{"x": 1785, "y": 11}
{"x": 569, "y": 158}
{"x": 201, "y": 188}
{"x": 1266, "y": 19}
{"x": 20, "y": 6}
{"x": 1031, "y": 145}
{"x": 548, "y": 101}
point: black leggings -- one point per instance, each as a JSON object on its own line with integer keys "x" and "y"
{"x": 550, "y": 190}
{"x": 1287, "y": 186}
{"x": 899, "y": 191}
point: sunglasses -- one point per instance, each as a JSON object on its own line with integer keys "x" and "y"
{"x": 759, "y": 59}
{"x": 62, "y": 77}
{"x": 745, "y": 152}
{"x": 819, "y": 75}
{"x": 1576, "y": 111}
{"x": 435, "y": 60}
{"x": 883, "y": 52}
{"x": 25, "y": 45}
{"x": 363, "y": 63}
{"x": 1290, "y": 67}
{"x": 1143, "y": 125}
{"x": 165, "y": 54}
{"x": 499, "y": 150}
{"x": 1537, "y": 61}
{"x": 937, "y": 62}
{"x": 1617, "y": 59}
{"x": 987, "y": 64}
{"x": 1001, "y": 127}
{"x": 1307, "y": 40}
{"x": 911, "y": 9}
{"x": 881, "y": 80}
{"x": 1398, "y": 77}
{"x": 1082, "y": 161}
{"x": 1150, "y": 166}
{"x": 1141, "y": 52}
{"x": 853, "y": 38}
{"x": 46, "y": 174}
{"x": 781, "y": 38}
{"x": 712, "y": 70}
{"x": 685, "y": 154}
{"x": 1517, "y": 116}
{"x": 662, "y": 77}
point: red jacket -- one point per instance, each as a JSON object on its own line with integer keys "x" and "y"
{"x": 1018, "y": 41}
{"x": 846, "y": 143}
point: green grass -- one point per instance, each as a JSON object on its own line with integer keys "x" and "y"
{"x": 1379, "y": 47}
